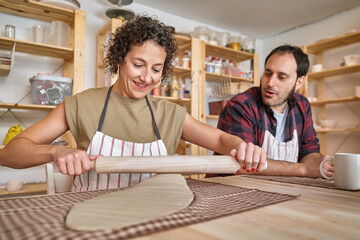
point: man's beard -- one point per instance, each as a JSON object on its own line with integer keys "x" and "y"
{"x": 282, "y": 100}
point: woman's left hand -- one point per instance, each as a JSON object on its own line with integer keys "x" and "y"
{"x": 252, "y": 158}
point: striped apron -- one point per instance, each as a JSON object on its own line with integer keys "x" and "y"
{"x": 102, "y": 144}
{"x": 284, "y": 151}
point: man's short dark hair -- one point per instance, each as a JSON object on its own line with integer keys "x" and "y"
{"x": 301, "y": 58}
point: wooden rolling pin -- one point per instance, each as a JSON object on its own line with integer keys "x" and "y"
{"x": 166, "y": 164}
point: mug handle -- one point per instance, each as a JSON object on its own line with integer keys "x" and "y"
{"x": 321, "y": 168}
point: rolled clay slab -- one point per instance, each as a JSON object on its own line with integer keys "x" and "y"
{"x": 153, "y": 198}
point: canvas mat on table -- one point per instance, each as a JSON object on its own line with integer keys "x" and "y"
{"x": 44, "y": 216}
{"x": 315, "y": 182}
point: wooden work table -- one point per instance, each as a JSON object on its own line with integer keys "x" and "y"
{"x": 318, "y": 213}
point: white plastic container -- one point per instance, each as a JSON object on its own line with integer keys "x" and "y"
{"x": 59, "y": 34}
{"x": 223, "y": 38}
{"x": 351, "y": 60}
{"x": 49, "y": 90}
{"x": 202, "y": 33}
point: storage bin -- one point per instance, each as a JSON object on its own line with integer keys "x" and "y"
{"x": 50, "y": 90}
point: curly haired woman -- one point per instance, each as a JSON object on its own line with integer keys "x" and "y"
{"x": 124, "y": 120}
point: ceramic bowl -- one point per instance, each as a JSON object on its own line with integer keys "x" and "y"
{"x": 14, "y": 185}
{"x": 327, "y": 123}
{"x": 350, "y": 60}
{"x": 316, "y": 68}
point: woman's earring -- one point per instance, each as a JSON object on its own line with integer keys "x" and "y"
{"x": 158, "y": 84}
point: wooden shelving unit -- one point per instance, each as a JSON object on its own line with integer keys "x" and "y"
{"x": 224, "y": 52}
{"x": 73, "y": 56}
{"x": 326, "y": 44}
{"x": 175, "y": 100}
{"x": 37, "y": 10}
{"x": 108, "y": 28}
{"x": 212, "y": 116}
{"x": 182, "y": 72}
{"x": 334, "y": 101}
{"x": 27, "y": 106}
{"x": 27, "y": 189}
{"x": 318, "y": 49}
{"x": 338, "y": 130}
{"x": 334, "y": 72}
{"x": 236, "y": 56}
{"x": 217, "y": 77}
{"x": 37, "y": 48}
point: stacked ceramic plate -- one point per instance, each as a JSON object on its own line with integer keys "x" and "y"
{"x": 69, "y": 4}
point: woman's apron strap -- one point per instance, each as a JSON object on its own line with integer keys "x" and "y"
{"x": 152, "y": 115}
{"x": 102, "y": 118}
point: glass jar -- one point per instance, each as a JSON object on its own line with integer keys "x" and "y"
{"x": 9, "y": 31}
{"x": 249, "y": 45}
{"x": 235, "y": 42}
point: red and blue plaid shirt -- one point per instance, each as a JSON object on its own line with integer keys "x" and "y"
{"x": 243, "y": 116}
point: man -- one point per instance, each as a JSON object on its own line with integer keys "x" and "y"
{"x": 277, "y": 118}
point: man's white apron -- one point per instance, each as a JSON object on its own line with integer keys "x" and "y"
{"x": 284, "y": 151}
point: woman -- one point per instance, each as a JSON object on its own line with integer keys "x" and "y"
{"x": 123, "y": 120}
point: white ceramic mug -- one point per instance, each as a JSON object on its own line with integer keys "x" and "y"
{"x": 346, "y": 170}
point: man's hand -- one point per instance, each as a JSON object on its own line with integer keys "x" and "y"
{"x": 328, "y": 166}
{"x": 252, "y": 158}
{"x": 312, "y": 165}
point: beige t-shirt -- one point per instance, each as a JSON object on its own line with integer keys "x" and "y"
{"x": 127, "y": 119}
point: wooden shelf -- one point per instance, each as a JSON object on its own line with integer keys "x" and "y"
{"x": 334, "y": 72}
{"x": 216, "y": 77}
{"x": 318, "y": 48}
{"x": 37, "y": 10}
{"x": 37, "y": 48}
{"x": 182, "y": 72}
{"x": 334, "y": 42}
{"x": 338, "y": 130}
{"x": 337, "y": 100}
{"x": 27, "y": 106}
{"x": 175, "y": 100}
{"x": 27, "y": 189}
{"x": 184, "y": 43}
{"x": 228, "y": 53}
{"x": 212, "y": 116}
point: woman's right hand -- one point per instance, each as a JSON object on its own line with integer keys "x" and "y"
{"x": 72, "y": 161}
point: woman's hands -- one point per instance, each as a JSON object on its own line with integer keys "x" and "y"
{"x": 252, "y": 158}
{"x": 72, "y": 161}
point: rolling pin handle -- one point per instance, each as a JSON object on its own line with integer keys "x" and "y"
{"x": 93, "y": 165}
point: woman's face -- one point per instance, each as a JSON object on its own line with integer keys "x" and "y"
{"x": 141, "y": 70}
